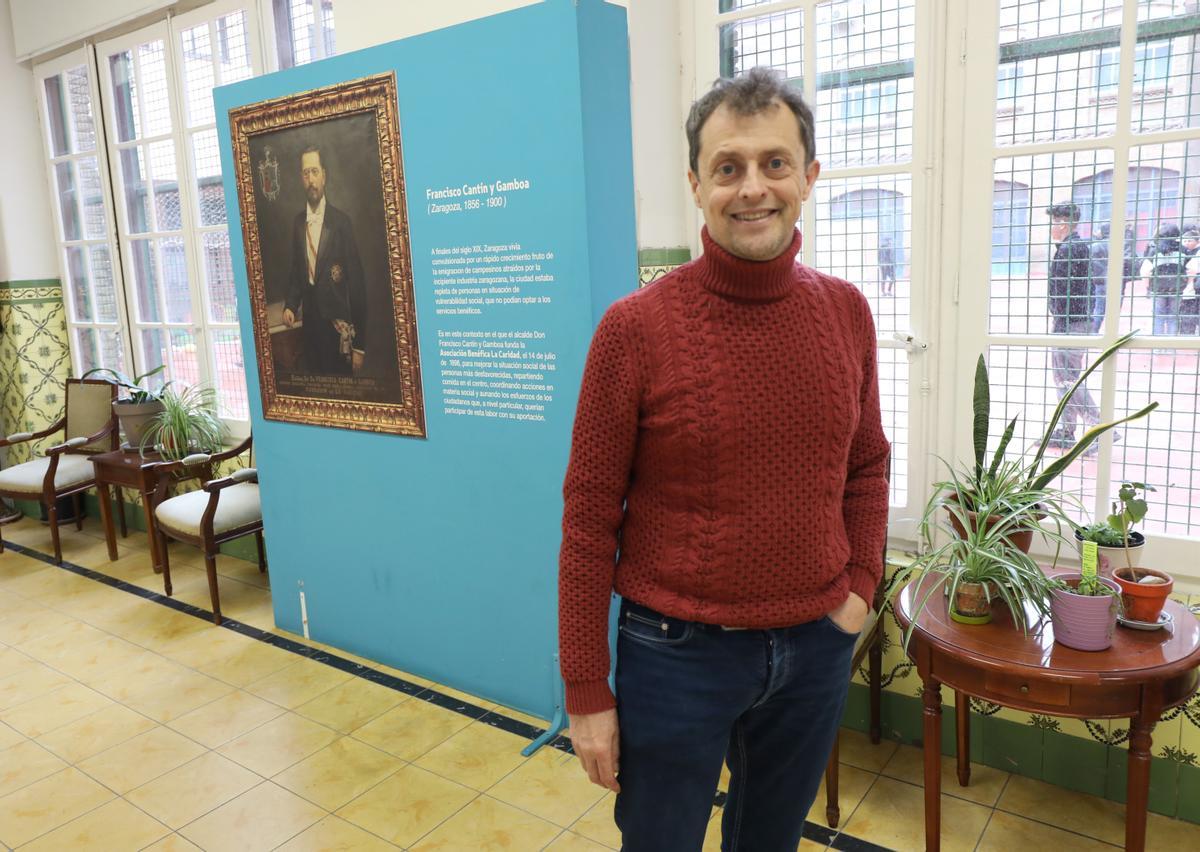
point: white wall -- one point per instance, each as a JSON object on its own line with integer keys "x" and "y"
{"x": 43, "y": 25}
{"x": 27, "y": 246}
{"x": 659, "y": 152}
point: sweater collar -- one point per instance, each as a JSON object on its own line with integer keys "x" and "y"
{"x": 754, "y": 280}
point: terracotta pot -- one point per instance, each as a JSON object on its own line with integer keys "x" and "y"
{"x": 1083, "y": 622}
{"x": 135, "y": 418}
{"x": 1022, "y": 540}
{"x": 1143, "y": 602}
{"x": 971, "y": 604}
{"x": 1110, "y": 558}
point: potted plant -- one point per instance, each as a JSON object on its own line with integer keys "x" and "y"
{"x": 1114, "y": 536}
{"x": 188, "y": 423}
{"x": 140, "y": 406}
{"x": 1004, "y": 482}
{"x": 1083, "y": 610}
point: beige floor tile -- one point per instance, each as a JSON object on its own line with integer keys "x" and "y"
{"x": 853, "y": 784}
{"x": 13, "y": 661}
{"x": 598, "y": 825}
{"x": 95, "y": 733}
{"x": 177, "y": 695}
{"x": 551, "y": 785}
{"x": 45, "y": 805}
{"x": 250, "y": 662}
{"x": 230, "y": 716}
{"x": 159, "y": 626}
{"x": 9, "y": 737}
{"x": 83, "y": 651}
{"x": 277, "y": 744}
{"x": 477, "y": 756}
{"x": 32, "y": 623}
{"x": 115, "y": 825}
{"x": 24, "y": 763}
{"x": 173, "y": 843}
{"x": 1006, "y": 832}
{"x": 568, "y": 842}
{"x": 299, "y": 683}
{"x": 55, "y": 709}
{"x": 259, "y": 819}
{"x": 338, "y": 773}
{"x": 1166, "y": 833}
{"x": 1077, "y": 812}
{"x": 486, "y": 825}
{"x": 136, "y": 676}
{"x": 192, "y": 790}
{"x": 407, "y": 805}
{"x": 349, "y": 706}
{"x": 908, "y": 764}
{"x": 335, "y": 835}
{"x": 856, "y": 749}
{"x": 892, "y": 814}
{"x": 412, "y": 728}
{"x": 28, "y": 684}
{"x": 140, "y": 759}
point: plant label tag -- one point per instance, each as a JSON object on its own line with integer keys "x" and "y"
{"x": 1090, "y": 559}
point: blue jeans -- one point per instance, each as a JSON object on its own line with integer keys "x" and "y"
{"x": 1166, "y": 314}
{"x": 690, "y": 696}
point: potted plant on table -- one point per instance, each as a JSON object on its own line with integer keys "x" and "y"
{"x": 1143, "y": 590}
{"x": 1083, "y": 610}
{"x": 188, "y": 423}
{"x": 1114, "y": 536}
{"x": 142, "y": 404}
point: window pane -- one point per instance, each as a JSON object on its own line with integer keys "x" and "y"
{"x": 166, "y": 186}
{"x": 230, "y": 373}
{"x": 1163, "y": 202}
{"x": 87, "y": 349}
{"x": 218, "y": 274}
{"x": 1064, "y": 95}
{"x": 185, "y": 363}
{"x": 103, "y": 288}
{"x": 68, "y": 201}
{"x": 197, "y": 74}
{"x": 1166, "y": 88}
{"x": 133, "y": 181}
{"x": 94, "y": 218}
{"x": 233, "y": 49}
{"x": 153, "y": 65}
{"x": 1025, "y": 20}
{"x": 210, "y": 193}
{"x": 864, "y": 228}
{"x": 175, "y": 280}
{"x": 1163, "y": 449}
{"x": 56, "y": 116}
{"x": 125, "y": 96}
{"x": 327, "y": 27}
{"x": 80, "y": 94}
{"x": 145, "y": 281}
{"x": 154, "y": 353}
{"x": 893, "y": 403}
{"x": 1042, "y": 282}
{"x": 772, "y": 41}
{"x": 81, "y": 299}
{"x": 302, "y": 31}
{"x": 1150, "y": 10}
{"x": 734, "y": 5}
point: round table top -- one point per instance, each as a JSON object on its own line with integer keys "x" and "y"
{"x": 1134, "y": 655}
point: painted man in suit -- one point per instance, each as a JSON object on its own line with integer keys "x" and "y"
{"x": 326, "y": 288}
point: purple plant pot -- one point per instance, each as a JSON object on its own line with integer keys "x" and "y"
{"x": 1083, "y": 622}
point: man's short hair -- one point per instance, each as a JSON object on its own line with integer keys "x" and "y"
{"x": 1064, "y": 210}
{"x": 1190, "y": 230}
{"x": 749, "y": 94}
{"x": 314, "y": 149}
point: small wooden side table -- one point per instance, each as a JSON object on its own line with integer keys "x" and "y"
{"x": 1140, "y": 676}
{"x": 131, "y": 469}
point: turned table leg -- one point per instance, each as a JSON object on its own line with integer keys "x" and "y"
{"x": 1138, "y": 788}
{"x": 110, "y": 537}
{"x": 932, "y": 695}
{"x": 962, "y": 728}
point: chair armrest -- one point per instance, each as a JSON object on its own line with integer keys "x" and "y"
{"x": 232, "y": 452}
{"x": 246, "y": 474}
{"x": 22, "y": 437}
{"x": 69, "y": 444}
{"x": 215, "y": 485}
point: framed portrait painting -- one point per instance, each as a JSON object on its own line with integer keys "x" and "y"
{"x": 320, "y": 183}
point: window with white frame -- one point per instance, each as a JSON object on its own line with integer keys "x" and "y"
{"x": 303, "y": 31}
{"x": 855, "y": 62}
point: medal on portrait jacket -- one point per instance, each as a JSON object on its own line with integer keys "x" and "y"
{"x": 268, "y": 173}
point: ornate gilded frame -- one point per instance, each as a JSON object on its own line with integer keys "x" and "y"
{"x": 375, "y": 94}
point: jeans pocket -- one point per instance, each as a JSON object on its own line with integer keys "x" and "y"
{"x": 838, "y": 629}
{"x": 659, "y": 631}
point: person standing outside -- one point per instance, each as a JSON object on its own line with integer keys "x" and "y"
{"x": 887, "y": 266}
{"x": 728, "y": 478}
{"x": 1165, "y": 277}
{"x": 326, "y": 288}
{"x": 1189, "y": 302}
{"x": 1069, "y": 301}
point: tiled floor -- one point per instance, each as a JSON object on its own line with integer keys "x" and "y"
{"x": 127, "y": 725}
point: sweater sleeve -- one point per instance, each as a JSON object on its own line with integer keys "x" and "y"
{"x": 598, "y": 475}
{"x": 865, "y": 499}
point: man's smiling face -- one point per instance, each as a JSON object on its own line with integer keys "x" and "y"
{"x": 752, "y": 179}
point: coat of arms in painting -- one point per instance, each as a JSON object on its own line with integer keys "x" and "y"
{"x": 268, "y": 172}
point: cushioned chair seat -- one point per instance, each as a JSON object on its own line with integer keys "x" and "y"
{"x": 27, "y": 478}
{"x": 238, "y": 506}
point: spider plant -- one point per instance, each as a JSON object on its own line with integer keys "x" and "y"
{"x": 139, "y": 390}
{"x": 187, "y": 424}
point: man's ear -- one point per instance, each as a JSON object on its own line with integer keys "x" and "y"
{"x": 695, "y": 183}
{"x": 811, "y": 173}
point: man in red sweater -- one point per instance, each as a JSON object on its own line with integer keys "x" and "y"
{"x": 728, "y": 479}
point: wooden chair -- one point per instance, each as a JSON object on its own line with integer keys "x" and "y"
{"x": 89, "y": 426}
{"x": 870, "y": 647}
{"x": 222, "y": 510}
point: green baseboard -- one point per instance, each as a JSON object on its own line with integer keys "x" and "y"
{"x": 1047, "y": 755}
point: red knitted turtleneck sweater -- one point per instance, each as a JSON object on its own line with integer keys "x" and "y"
{"x": 728, "y": 440}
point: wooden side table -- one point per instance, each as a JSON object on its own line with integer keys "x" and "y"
{"x": 130, "y": 469}
{"x": 1140, "y": 676}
